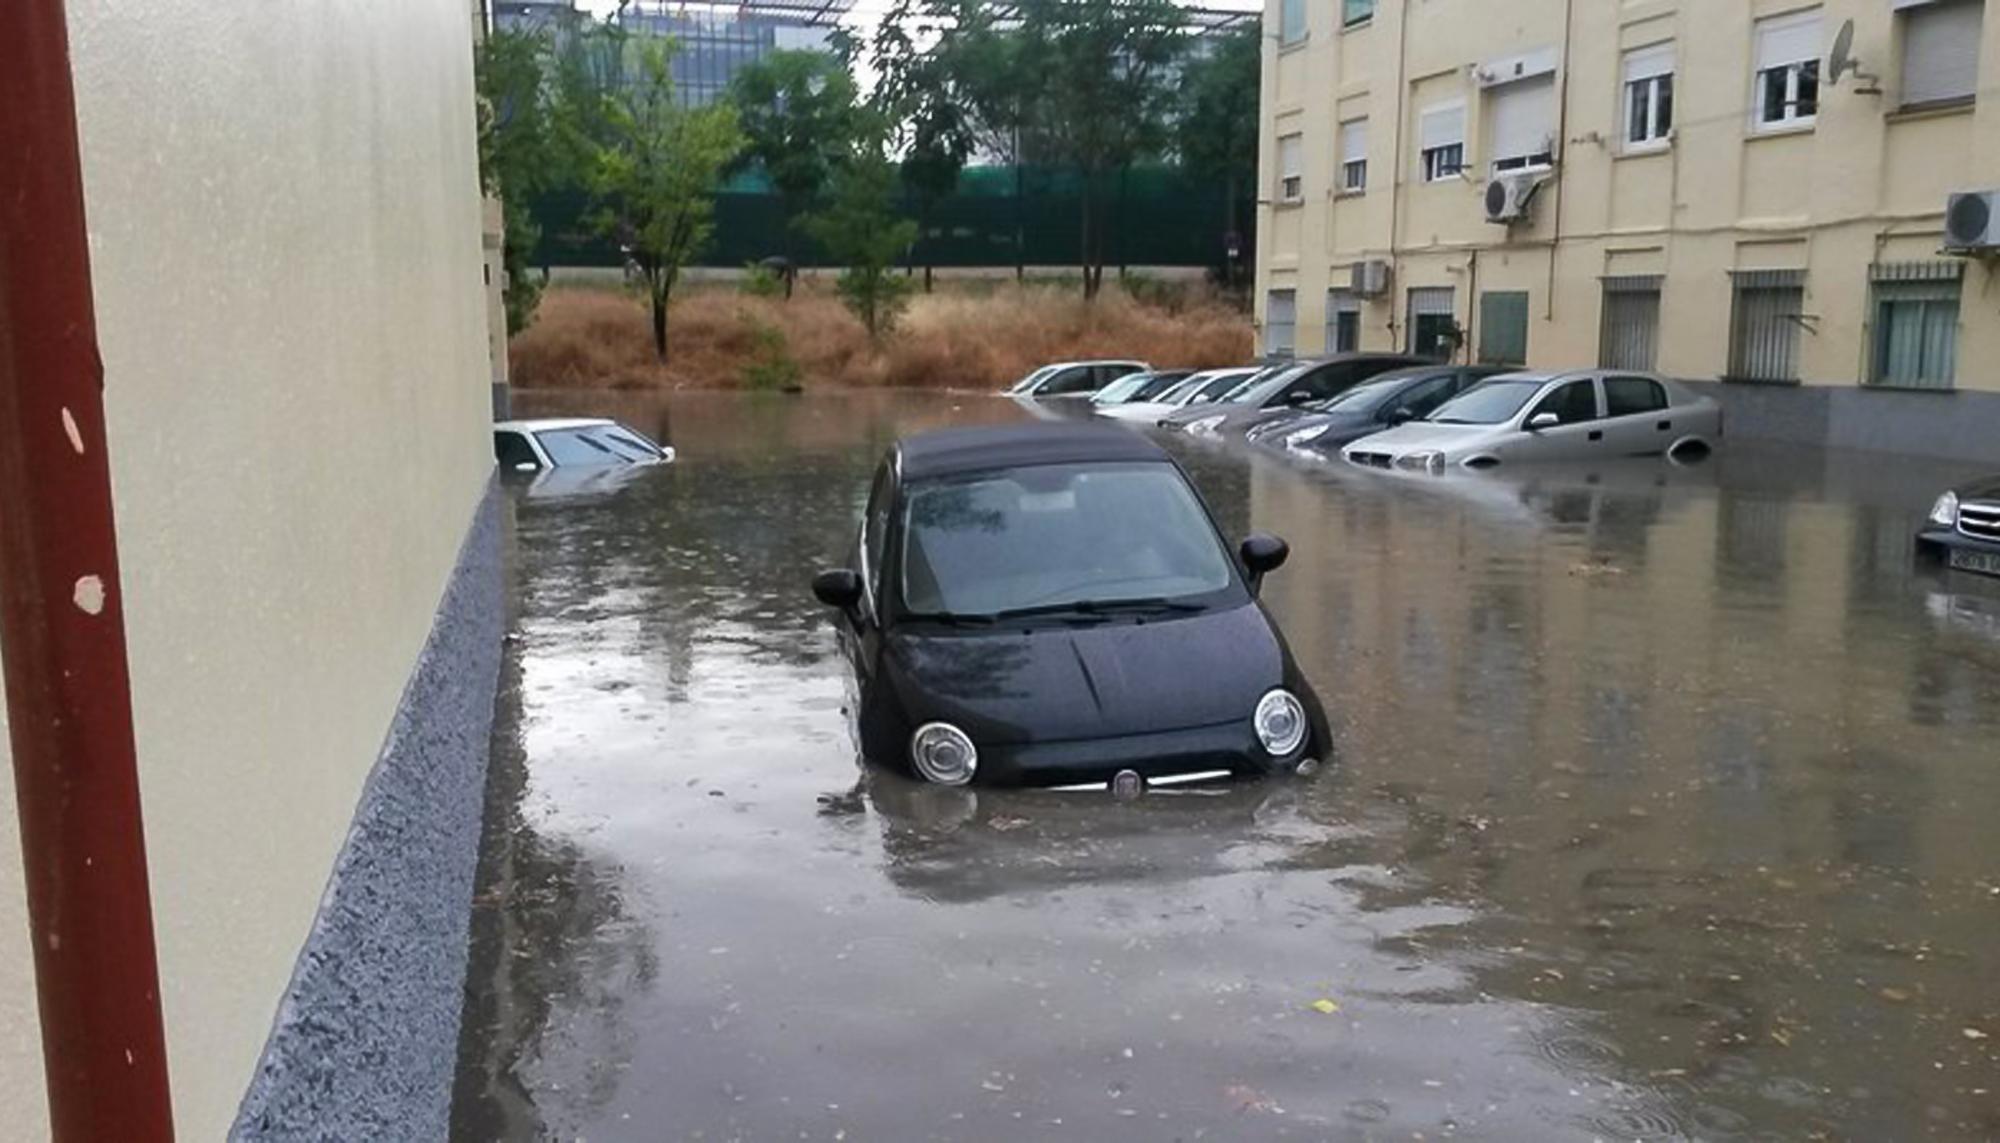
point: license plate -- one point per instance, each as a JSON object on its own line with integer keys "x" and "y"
{"x": 1985, "y": 563}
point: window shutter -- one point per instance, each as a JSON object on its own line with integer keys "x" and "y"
{"x": 1941, "y": 51}
{"x": 1291, "y": 161}
{"x": 1523, "y": 118}
{"x": 1354, "y": 141}
{"x": 1441, "y": 126}
{"x": 1788, "y": 40}
{"x": 1645, "y": 63}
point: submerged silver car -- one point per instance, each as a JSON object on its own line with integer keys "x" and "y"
{"x": 1576, "y": 415}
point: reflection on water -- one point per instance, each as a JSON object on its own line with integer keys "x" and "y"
{"x": 1660, "y": 811}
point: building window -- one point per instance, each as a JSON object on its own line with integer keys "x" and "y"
{"x": 1434, "y": 330}
{"x": 1503, "y": 327}
{"x": 1343, "y": 321}
{"x": 1354, "y": 156}
{"x": 1292, "y": 21}
{"x": 1649, "y": 97}
{"x": 1941, "y": 51}
{"x": 1523, "y": 123}
{"x": 1788, "y": 55}
{"x": 1629, "y": 337}
{"x": 1915, "y": 335}
{"x": 1764, "y": 325}
{"x": 1354, "y": 12}
{"x": 1291, "y": 168}
{"x": 1281, "y": 323}
{"x": 1441, "y": 139}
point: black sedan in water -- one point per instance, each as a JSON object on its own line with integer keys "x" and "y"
{"x": 1963, "y": 531}
{"x": 1053, "y": 605}
{"x": 1275, "y": 394}
{"x": 1388, "y": 400}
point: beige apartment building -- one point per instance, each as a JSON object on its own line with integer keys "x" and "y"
{"x": 1683, "y": 186}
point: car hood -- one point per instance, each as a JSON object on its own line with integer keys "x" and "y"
{"x": 1985, "y": 489}
{"x": 1148, "y": 411}
{"x": 1059, "y": 683}
{"x": 1430, "y": 436}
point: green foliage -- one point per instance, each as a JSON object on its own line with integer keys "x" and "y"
{"x": 770, "y": 365}
{"x": 760, "y": 281}
{"x": 800, "y": 116}
{"x": 656, "y": 172}
{"x": 1215, "y": 127}
{"x": 860, "y": 231}
{"x": 517, "y": 154}
{"x": 1076, "y": 82}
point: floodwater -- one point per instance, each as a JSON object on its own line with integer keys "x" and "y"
{"x": 1663, "y": 806}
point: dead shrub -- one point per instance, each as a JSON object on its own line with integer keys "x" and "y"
{"x": 980, "y": 336}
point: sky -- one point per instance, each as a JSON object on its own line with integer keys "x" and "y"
{"x": 867, "y": 12}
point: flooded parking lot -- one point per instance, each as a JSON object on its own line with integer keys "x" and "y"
{"x": 1660, "y": 808}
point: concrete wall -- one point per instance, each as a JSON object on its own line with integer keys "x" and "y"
{"x": 22, "y": 1091}
{"x": 285, "y": 234}
{"x": 1867, "y": 184}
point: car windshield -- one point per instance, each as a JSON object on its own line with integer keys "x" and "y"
{"x": 1056, "y": 537}
{"x": 1367, "y": 396}
{"x": 594, "y": 444}
{"x": 1216, "y": 388}
{"x": 1032, "y": 379}
{"x": 1121, "y": 390}
{"x": 1267, "y": 384}
{"x": 1489, "y": 402}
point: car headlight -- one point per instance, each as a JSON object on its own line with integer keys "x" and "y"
{"x": 943, "y": 754}
{"x": 1431, "y": 460}
{"x": 1205, "y": 426}
{"x": 1281, "y": 723}
{"x": 1945, "y": 511}
{"x": 1304, "y": 437}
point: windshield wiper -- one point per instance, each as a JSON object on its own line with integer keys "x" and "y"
{"x": 1099, "y": 608}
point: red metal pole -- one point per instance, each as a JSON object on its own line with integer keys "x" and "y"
{"x": 62, "y": 624}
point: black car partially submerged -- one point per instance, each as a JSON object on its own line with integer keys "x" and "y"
{"x": 1053, "y": 605}
{"x": 1963, "y": 530}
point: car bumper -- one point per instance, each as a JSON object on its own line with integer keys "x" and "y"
{"x": 1230, "y": 748}
{"x": 1940, "y": 544}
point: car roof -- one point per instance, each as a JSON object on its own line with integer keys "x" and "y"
{"x": 544, "y": 424}
{"x": 948, "y": 452}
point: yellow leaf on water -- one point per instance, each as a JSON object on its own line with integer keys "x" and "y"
{"x": 1325, "y": 1007}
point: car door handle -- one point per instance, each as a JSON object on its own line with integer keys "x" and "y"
{"x": 1666, "y": 426}
{"x": 1597, "y": 434}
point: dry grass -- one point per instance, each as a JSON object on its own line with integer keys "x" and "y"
{"x": 959, "y": 338}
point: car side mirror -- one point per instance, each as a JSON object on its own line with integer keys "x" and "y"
{"x": 1400, "y": 416}
{"x": 1541, "y": 421}
{"x": 1263, "y": 554}
{"x": 838, "y": 588}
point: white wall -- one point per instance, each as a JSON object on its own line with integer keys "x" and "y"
{"x": 285, "y": 236}
{"x": 22, "y": 1090}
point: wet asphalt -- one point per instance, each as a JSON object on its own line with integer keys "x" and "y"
{"x": 1662, "y": 807}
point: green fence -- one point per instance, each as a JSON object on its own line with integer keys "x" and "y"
{"x": 1155, "y": 216}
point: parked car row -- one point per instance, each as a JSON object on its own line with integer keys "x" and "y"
{"x": 1387, "y": 410}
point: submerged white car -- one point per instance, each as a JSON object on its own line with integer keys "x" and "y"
{"x": 1205, "y": 386}
{"x": 1579, "y": 415}
{"x": 526, "y": 446}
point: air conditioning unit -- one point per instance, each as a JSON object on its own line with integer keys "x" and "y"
{"x": 1509, "y": 196}
{"x": 1370, "y": 279}
{"x": 1972, "y": 223}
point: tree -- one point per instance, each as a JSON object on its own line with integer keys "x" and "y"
{"x": 517, "y": 153}
{"x": 860, "y": 231}
{"x": 1104, "y": 100}
{"x": 914, "y": 95}
{"x": 800, "y": 118}
{"x": 656, "y": 175}
{"x": 1215, "y": 132}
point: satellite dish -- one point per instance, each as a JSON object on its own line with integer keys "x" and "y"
{"x": 1842, "y": 60}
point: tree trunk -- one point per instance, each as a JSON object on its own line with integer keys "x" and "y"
{"x": 1084, "y": 253}
{"x": 660, "y": 326}
{"x": 1020, "y": 231}
{"x": 927, "y": 277}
